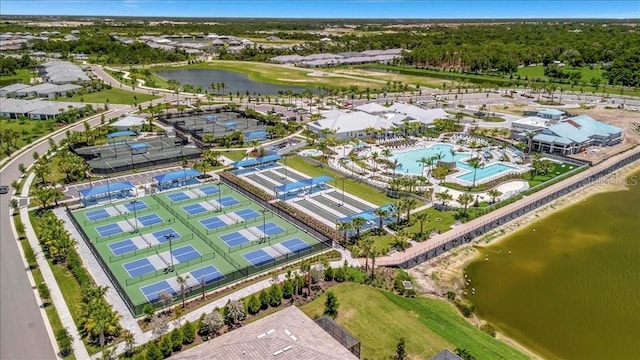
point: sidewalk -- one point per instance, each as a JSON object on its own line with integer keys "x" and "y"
{"x": 56, "y": 295}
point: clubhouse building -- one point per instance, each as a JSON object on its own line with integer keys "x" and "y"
{"x": 371, "y": 119}
{"x": 551, "y": 131}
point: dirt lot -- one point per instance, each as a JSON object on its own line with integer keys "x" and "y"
{"x": 616, "y": 117}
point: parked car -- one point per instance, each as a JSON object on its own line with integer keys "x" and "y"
{"x": 4, "y": 189}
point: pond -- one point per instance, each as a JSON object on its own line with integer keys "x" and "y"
{"x": 568, "y": 286}
{"x": 234, "y": 82}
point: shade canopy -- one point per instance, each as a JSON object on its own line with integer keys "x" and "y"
{"x": 368, "y": 215}
{"x": 177, "y": 175}
{"x": 96, "y": 191}
{"x": 256, "y": 135}
{"x": 303, "y": 183}
{"x": 120, "y": 134}
{"x": 257, "y": 161}
{"x": 138, "y": 145}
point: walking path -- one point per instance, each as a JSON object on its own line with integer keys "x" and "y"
{"x": 57, "y": 299}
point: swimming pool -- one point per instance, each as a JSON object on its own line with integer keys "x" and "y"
{"x": 310, "y": 152}
{"x": 408, "y": 163}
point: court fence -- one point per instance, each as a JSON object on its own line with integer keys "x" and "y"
{"x": 120, "y": 216}
{"x": 122, "y": 233}
{"x": 149, "y": 250}
{"x": 342, "y": 335}
{"x": 178, "y": 266}
{"x": 221, "y": 210}
{"x": 262, "y": 240}
{"x": 244, "y": 222}
{"x": 136, "y": 310}
{"x": 241, "y": 272}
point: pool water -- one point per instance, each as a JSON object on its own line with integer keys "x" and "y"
{"x": 409, "y": 164}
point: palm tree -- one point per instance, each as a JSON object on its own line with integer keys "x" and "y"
{"x": 444, "y": 196}
{"x": 465, "y": 199}
{"x": 425, "y": 161}
{"x": 358, "y": 222}
{"x": 397, "y": 208}
{"x": 409, "y": 203}
{"x": 182, "y": 281}
{"x": 530, "y": 135}
{"x": 475, "y": 163}
{"x": 381, "y": 213}
{"x": 422, "y": 217}
{"x": 494, "y": 193}
{"x": 366, "y": 244}
{"x": 345, "y": 226}
{"x": 374, "y": 158}
{"x": 452, "y": 151}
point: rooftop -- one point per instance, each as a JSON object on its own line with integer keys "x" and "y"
{"x": 286, "y": 335}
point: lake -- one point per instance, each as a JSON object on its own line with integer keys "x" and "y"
{"x": 235, "y": 82}
{"x": 568, "y": 286}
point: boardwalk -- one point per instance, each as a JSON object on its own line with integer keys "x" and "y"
{"x": 466, "y": 232}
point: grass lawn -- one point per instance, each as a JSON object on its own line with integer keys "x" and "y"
{"x": 558, "y": 170}
{"x": 235, "y": 155}
{"x": 113, "y": 96}
{"x": 21, "y": 76}
{"x": 438, "y": 221}
{"x": 380, "y": 318}
{"x": 351, "y": 186}
{"x": 28, "y": 131}
{"x": 538, "y": 72}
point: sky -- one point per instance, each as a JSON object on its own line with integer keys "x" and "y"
{"x": 388, "y": 9}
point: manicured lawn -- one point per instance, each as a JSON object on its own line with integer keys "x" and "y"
{"x": 351, "y": 186}
{"x": 21, "y": 76}
{"x": 558, "y": 170}
{"x": 113, "y": 96}
{"x": 235, "y": 155}
{"x": 380, "y": 318}
{"x": 28, "y": 131}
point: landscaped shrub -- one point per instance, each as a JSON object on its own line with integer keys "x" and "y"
{"x": 188, "y": 333}
{"x": 166, "y": 346}
{"x": 176, "y": 339}
{"x": 253, "y": 305}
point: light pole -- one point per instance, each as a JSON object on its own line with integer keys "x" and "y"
{"x": 169, "y": 237}
{"x": 264, "y": 221}
{"x": 342, "y": 203}
{"x": 284, "y": 160}
{"x": 135, "y": 215}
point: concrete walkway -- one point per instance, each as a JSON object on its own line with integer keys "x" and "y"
{"x": 80, "y": 351}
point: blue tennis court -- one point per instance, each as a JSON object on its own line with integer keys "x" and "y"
{"x": 228, "y": 201}
{"x": 257, "y": 257}
{"x": 179, "y": 196}
{"x": 185, "y": 253}
{"x": 109, "y": 229}
{"x": 212, "y": 223}
{"x": 247, "y": 214}
{"x": 150, "y": 219}
{"x": 295, "y": 245}
{"x": 97, "y": 214}
{"x": 138, "y": 205}
{"x": 208, "y": 274}
{"x": 123, "y": 247}
{"x": 139, "y": 267}
{"x": 194, "y": 209}
{"x": 234, "y": 239}
{"x": 152, "y": 292}
{"x": 162, "y": 235}
{"x": 270, "y": 228}
{"x": 209, "y": 190}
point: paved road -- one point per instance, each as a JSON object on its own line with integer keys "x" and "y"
{"x": 22, "y": 331}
